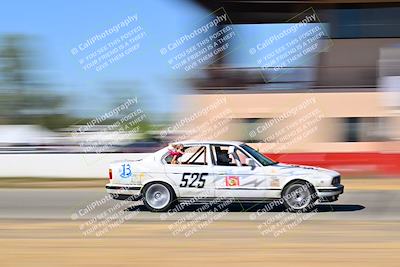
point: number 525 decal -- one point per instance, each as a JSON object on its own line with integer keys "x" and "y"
{"x": 194, "y": 180}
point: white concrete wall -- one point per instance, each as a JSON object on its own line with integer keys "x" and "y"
{"x": 60, "y": 165}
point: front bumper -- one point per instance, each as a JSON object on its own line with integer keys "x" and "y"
{"x": 327, "y": 192}
{"x": 123, "y": 191}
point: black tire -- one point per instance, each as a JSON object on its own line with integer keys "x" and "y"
{"x": 299, "y": 196}
{"x": 158, "y": 196}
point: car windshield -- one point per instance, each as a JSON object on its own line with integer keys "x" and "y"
{"x": 258, "y": 156}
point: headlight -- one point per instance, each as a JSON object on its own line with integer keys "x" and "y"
{"x": 336, "y": 180}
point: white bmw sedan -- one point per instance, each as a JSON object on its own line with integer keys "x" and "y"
{"x": 220, "y": 169}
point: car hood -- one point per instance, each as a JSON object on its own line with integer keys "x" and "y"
{"x": 294, "y": 169}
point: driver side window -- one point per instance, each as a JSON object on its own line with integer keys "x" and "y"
{"x": 220, "y": 155}
{"x": 241, "y": 157}
{"x": 225, "y": 155}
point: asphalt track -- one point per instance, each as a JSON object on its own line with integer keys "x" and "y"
{"x": 88, "y": 203}
{"x": 44, "y": 228}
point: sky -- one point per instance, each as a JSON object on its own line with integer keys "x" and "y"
{"x": 58, "y": 26}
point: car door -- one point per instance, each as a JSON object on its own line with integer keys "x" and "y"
{"x": 233, "y": 178}
{"x": 192, "y": 174}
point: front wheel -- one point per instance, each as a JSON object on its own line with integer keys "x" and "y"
{"x": 158, "y": 197}
{"x": 299, "y": 196}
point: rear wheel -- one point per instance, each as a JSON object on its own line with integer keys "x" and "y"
{"x": 298, "y": 196}
{"x": 158, "y": 197}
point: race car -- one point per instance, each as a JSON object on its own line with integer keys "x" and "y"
{"x": 208, "y": 170}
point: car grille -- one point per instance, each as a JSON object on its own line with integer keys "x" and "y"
{"x": 336, "y": 180}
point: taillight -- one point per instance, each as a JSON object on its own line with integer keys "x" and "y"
{"x": 110, "y": 174}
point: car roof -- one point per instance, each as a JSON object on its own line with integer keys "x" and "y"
{"x": 217, "y": 142}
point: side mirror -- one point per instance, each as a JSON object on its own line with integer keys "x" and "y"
{"x": 250, "y": 162}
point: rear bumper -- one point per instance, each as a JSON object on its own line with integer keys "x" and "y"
{"x": 122, "y": 191}
{"x": 330, "y": 191}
